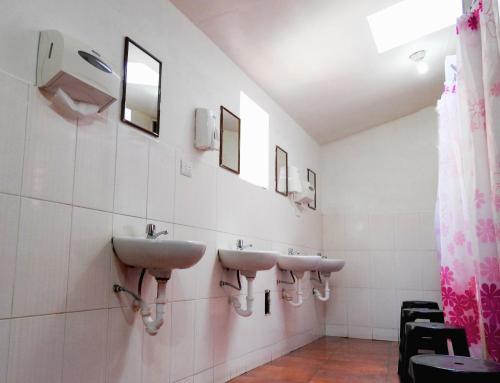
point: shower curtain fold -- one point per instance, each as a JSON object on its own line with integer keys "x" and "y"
{"x": 468, "y": 209}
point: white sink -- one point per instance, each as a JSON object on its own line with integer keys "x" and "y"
{"x": 160, "y": 257}
{"x": 298, "y": 263}
{"x": 248, "y": 262}
{"x": 327, "y": 266}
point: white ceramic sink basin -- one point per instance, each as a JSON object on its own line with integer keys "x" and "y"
{"x": 327, "y": 266}
{"x": 160, "y": 257}
{"x": 248, "y": 261}
{"x": 298, "y": 263}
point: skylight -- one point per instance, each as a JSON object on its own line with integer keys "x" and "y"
{"x": 409, "y": 20}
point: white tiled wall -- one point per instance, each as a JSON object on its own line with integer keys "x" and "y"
{"x": 67, "y": 186}
{"x": 378, "y": 196}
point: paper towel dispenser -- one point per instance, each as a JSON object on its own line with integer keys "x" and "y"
{"x": 73, "y": 71}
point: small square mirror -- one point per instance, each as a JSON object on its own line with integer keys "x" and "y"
{"x": 281, "y": 171}
{"x": 141, "y": 89}
{"x": 229, "y": 156}
{"x": 311, "y": 178}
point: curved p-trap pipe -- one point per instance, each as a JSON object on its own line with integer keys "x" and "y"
{"x": 326, "y": 296}
{"x": 152, "y": 324}
{"x": 249, "y": 298}
{"x": 299, "y": 294}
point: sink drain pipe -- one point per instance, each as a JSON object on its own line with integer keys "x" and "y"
{"x": 300, "y": 295}
{"x": 249, "y": 298}
{"x": 323, "y": 298}
{"x": 152, "y": 324}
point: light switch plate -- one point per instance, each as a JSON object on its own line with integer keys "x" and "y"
{"x": 186, "y": 168}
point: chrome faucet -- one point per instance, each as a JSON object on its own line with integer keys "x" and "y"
{"x": 241, "y": 246}
{"x": 150, "y": 231}
{"x": 291, "y": 251}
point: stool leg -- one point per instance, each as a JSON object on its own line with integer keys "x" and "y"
{"x": 459, "y": 343}
{"x": 440, "y": 345}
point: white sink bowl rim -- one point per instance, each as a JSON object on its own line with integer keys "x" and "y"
{"x": 248, "y": 261}
{"x": 298, "y": 263}
{"x": 158, "y": 254}
{"x": 327, "y": 265}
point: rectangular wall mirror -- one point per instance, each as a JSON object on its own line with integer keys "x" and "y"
{"x": 281, "y": 171}
{"x": 229, "y": 156}
{"x": 141, "y": 89}
{"x": 311, "y": 178}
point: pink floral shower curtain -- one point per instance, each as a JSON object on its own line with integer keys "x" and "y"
{"x": 468, "y": 214}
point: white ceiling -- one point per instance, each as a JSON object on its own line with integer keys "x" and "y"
{"x": 318, "y": 60}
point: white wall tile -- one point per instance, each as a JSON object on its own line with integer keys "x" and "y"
{"x": 95, "y": 164}
{"x": 357, "y": 231}
{"x": 182, "y": 339}
{"x": 90, "y": 260}
{"x": 124, "y": 346}
{"x": 333, "y": 231}
{"x": 156, "y": 352}
{"x": 336, "y": 313}
{"x": 4, "y": 348}
{"x": 384, "y": 309}
{"x": 427, "y": 230}
{"x": 336, "y": 330}
{"x": 49, "y": 158}
{"x": 131, "y": 183}
{"x": 383, "y": 266}
{"x": 358, "y": 269}
{"x": 360, "y": 332}
{"x": 382, "y": 228}
{"x": 31, "y": 338}
{"x": 431, "y": 277}
{"x": 9, "y": 218}
{"x": 13, "y": 109}
{"x": 85, "y": 347}
{"x": 409, "y": 270}
{"x": 161, "y": 187}
{"x": 42, "y": 259}
{"x": 195, "y": 197}
{"x": 204, "y": 377}
{"x": 359, "y": 311}
{"x": 203, "y": 335}
{"x": 408, "y": 234}
{"x": 391, "y": 335}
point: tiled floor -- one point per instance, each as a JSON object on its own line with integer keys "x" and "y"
{"x": 331, "y": 360}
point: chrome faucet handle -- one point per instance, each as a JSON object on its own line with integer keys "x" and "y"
{"x": 150, "y": 230}
{"x": 240, "y": 245}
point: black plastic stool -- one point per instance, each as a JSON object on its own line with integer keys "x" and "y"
{"x": 413, "y": 314}
{"x": 453, "y": 369}
{"x": 419, "y": 305}
{"x": 432, "y": 337}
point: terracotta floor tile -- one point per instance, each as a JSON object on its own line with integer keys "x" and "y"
{"x": 296, "y": 374}
{"x": 331, "y": 360}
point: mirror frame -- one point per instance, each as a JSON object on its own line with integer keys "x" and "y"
{"x": 221, "y": 135}
{"x": 309, "y": 173}
{"x": 276, "y": 175}
{"x": 155, "y": 133}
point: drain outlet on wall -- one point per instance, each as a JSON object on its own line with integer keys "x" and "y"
{"x": 267, "y": 303}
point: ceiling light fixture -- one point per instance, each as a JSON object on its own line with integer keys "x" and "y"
{"x": 418, "y": 58}
{"x": 409, "y": 20}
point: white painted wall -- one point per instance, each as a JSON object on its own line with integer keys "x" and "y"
{"x": 378, "y": 190}
{"x": 67, "y": 187}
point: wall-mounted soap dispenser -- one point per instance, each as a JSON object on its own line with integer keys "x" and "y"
{"x": 206, "y": 136}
